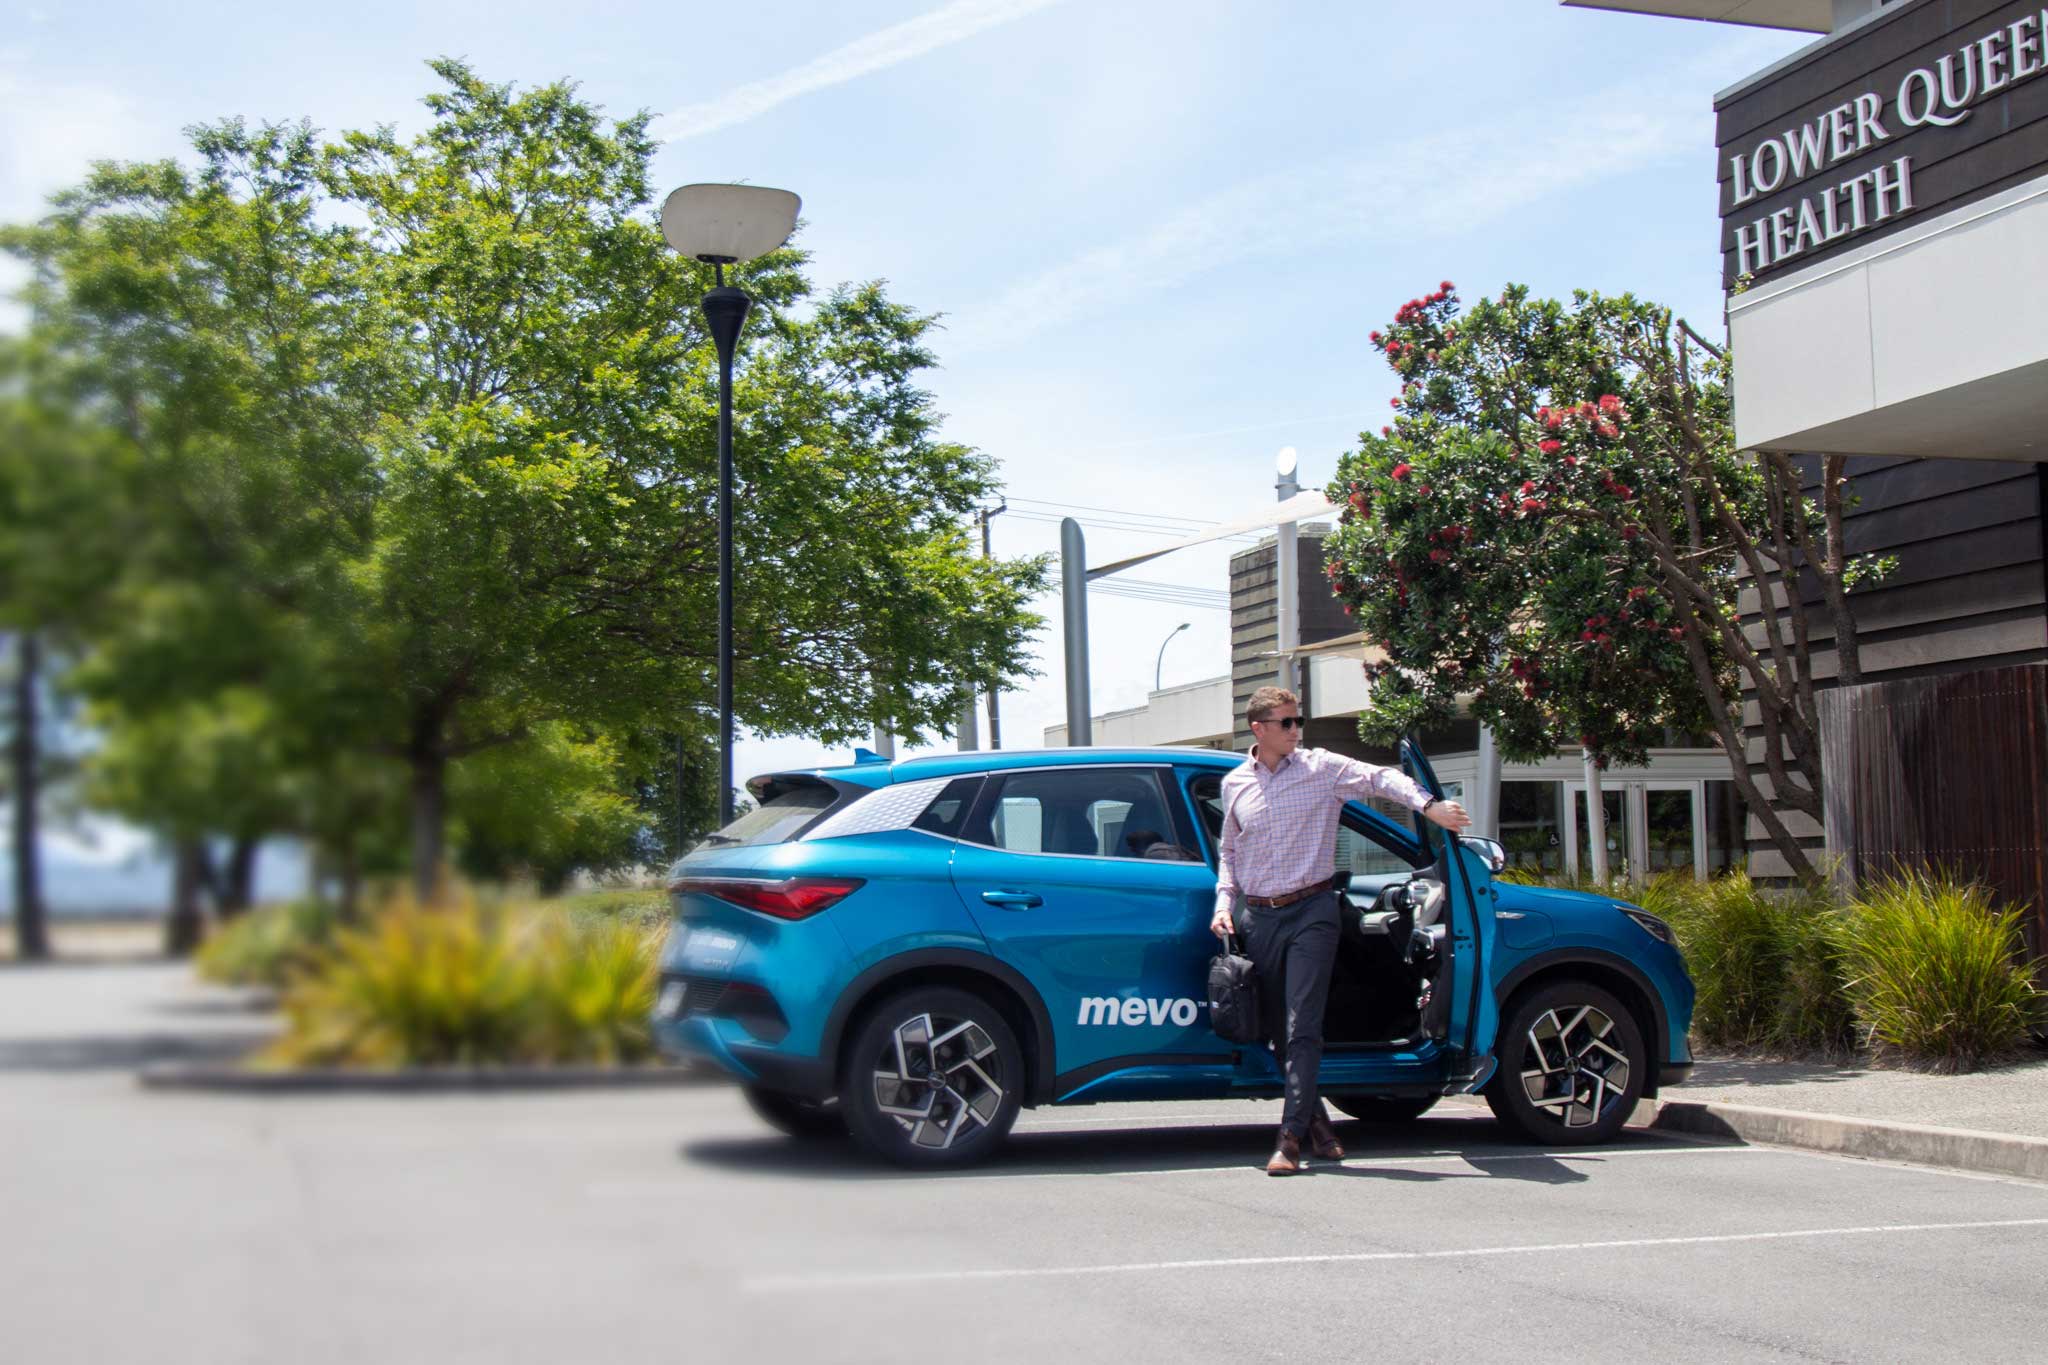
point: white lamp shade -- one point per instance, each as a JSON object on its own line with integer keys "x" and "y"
{"x": 728, "y": 222}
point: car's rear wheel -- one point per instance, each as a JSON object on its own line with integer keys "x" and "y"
{"x": 796, "y": 1116}
{"x": 1572, "y": 1065}
{"x": 934, "y": 1077}
{"x": 1384, "y": 1108}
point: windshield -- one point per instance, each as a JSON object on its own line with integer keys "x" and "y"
{"x": 781, "y": 817}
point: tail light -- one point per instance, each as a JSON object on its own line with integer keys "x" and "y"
{"x": 790, "y": 898}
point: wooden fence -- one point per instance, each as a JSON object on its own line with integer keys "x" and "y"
{"x": 1950, "y": 772}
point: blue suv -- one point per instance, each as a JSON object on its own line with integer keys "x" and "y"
{"x": 916, "y": 950}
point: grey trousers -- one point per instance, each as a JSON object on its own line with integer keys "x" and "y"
{"x": 1293, "y": 949}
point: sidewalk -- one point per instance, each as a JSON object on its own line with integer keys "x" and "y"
{"x": 1994, "y": 1121}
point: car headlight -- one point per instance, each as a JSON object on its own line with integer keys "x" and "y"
{"x": 1654, "y": 927}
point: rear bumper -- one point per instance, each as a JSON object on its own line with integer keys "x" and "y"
{"x": 698, "y": 1038}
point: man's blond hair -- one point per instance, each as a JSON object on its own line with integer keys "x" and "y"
{"x": 1267, "y": 700}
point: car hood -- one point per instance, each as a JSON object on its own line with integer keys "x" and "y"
{"x": 1563, "y": 906}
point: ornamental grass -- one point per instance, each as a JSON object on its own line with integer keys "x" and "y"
{"x": 1937, "y": 974}
{"x": 267, "y": 945}
{"x": 469, "y": 985}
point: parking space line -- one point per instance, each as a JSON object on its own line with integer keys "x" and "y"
{"x": 771, "y": 1284}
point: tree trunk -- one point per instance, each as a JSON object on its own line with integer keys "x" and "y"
{"x": 350, "y": 875}
{"x": 429, "y": 826}
{"x": 31, "y": 920}
{"x": 238, "y": 879}
{"x": 186, "y": 925}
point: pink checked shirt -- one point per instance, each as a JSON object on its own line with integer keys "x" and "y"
{"x": 1280, "y": 827}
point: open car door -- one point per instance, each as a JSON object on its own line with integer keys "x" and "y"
{"x": 1475, "y": 1013}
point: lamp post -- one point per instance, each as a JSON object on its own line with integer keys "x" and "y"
{"x": 724, "y": 225}
{"x": 1161, "y": 660}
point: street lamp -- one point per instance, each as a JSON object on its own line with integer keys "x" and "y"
{"x": 724, "y": 225}
{"x": 1156, "y": 663}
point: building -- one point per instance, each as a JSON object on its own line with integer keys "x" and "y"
{"x": 1679, "y": 813}
{"x": 1884, "y": 243}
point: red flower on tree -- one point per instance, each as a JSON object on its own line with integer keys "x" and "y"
{"x": 1399, "y": 471}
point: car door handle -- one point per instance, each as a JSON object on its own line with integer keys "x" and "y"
{"x": 1013, "y": 900}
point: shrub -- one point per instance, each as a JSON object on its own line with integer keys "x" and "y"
{"x": 594, "y": 990}
{"x": 1937, "y": 973}
{"x": 475, "y": 986}
{"x": 267, "y": 945}
{"x": 647, "y": 908}
{"x": 415, "y": 988}
{"x": 1735, "y": 946}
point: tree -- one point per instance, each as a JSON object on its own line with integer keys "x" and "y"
{"x": 1557, "y": 522}
{"x": 437, "y": 421}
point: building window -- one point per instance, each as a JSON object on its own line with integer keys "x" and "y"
{"x": 1529, "y": 827}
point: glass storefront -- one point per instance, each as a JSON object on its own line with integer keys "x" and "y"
{"x": 1726, "y": 821}
{"x": 1619, "y": 831}
{"x": 1529, "y": 825}
{"x": 1668, "y": 823}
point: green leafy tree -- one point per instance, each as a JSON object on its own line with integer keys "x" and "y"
{"x": 431, "y": 422}
{"x": 1556, "y": 523}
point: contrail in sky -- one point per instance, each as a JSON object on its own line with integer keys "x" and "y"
{"x": 876, "y": 52}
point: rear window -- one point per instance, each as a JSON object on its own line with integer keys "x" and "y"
{"x": 778, "y": 819}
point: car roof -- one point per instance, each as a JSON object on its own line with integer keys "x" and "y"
{"x": 876, "y": 773}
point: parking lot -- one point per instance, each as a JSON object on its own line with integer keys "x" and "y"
{"x": 670, "y": 1224}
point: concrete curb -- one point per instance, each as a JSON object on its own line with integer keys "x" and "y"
{"x": 230, "y": 1079}
{"x": 1919, "y": 1144}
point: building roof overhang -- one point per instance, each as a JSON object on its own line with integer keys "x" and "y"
{"x": 1802, "y": 16}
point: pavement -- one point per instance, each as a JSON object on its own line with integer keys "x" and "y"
{"x": 509, "y": 1227}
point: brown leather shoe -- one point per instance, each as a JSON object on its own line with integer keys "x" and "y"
{"x": 1286, "y": 1155}
{"x": 1322, "y": 1139}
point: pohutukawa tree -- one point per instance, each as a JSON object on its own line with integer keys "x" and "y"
{"x": 1557, "y": 524}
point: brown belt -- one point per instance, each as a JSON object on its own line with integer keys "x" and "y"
{"x": 1291, "y": 898}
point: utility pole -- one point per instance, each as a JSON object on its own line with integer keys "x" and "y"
{"x": 995, "y": 720}
{"x": 1287, "y": 569}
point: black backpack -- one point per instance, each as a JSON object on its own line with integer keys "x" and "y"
{"x": 1234, "y": 996}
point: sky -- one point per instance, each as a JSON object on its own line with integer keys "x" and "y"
{"x": 1158, "y": 233}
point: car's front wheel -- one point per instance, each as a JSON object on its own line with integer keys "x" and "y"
{"x": 934, "y": 1077}
{"x": 1572, "y": 1065}
{"x": 798, "y": 1117}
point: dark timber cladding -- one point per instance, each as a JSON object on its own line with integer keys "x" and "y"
{"x": 1944, "y": 772}
{"x": 1931, "y": 105}
{"x": 1971, "y": 543}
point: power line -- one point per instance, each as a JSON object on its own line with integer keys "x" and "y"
{"x": 1116, "y": 511}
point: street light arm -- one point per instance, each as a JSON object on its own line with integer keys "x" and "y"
{"x": 1160, "y": 662}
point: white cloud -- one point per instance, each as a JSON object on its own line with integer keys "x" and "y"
{"x": 864, "y": 56}
{"x": 1407, "y": 191}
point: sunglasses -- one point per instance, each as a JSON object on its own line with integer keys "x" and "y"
{"x": 1284, "y": 722}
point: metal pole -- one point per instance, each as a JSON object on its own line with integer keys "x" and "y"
{"x": 1596, "y": 819}
{"x": 1287, "y": 606}
{"x": 995, "y": 719}
{"x": 1486, "y": 801}
{"x": 1074, "y": 611}
{"x": 1160, "y": 662}
{"x": 725, "y": 309}
{"x": 969, "y": 732}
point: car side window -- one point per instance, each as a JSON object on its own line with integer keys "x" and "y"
{"x": 948, "y": 810}
{"x": 1359, "y": 854}
{"x": 1085, "y": 812}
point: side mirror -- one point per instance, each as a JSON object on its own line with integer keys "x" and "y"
{"x": 1490, "y": 851}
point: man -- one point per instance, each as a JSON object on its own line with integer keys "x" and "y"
{"x": 1279, "y": 846}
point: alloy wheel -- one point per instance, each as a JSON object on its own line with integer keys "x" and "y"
{"x": 938, "y": 1078}
{"x": 1573, "y": 1068}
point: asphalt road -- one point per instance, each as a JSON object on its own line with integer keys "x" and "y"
{"x": 670, "y": 1225}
